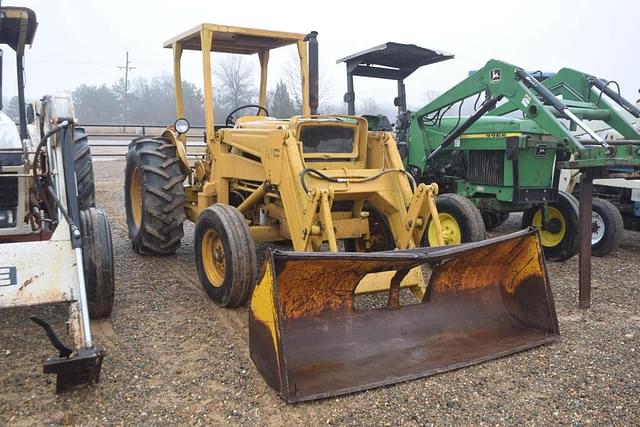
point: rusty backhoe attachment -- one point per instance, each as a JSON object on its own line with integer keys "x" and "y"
{"x": 484, "y": 300}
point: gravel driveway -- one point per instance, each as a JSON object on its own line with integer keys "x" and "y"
{"x": 176, "y": 358}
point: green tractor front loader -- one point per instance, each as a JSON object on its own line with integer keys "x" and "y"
{"x": 506, "y": 164}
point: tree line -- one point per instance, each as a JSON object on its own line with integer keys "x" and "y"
{"x": 151, "y": 101}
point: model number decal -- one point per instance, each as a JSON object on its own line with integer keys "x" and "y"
{"x": 8, "y": 276}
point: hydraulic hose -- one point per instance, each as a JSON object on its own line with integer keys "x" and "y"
{"x": 324, "y": 177}
{"x": 43, "y": 142}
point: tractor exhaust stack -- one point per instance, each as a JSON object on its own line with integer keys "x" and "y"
{"x": 314, "y": 79}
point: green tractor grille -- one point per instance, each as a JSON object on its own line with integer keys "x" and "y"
{"x": 486, "y": 167}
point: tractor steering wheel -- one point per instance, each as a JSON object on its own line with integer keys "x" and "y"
{"x": 230, "y": 121}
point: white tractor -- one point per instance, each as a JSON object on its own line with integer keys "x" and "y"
{"x": 616, "y": 203}
{"x": 55, "y": 245}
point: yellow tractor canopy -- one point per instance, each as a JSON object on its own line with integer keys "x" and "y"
{"x": 209, "y": 38}
{"x": 484, "y": 300}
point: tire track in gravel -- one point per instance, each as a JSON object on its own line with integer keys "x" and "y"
{"x": 235, "y": 324}
{"x": 102, "y": 332}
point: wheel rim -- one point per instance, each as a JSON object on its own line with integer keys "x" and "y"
{"x": 597, "y": 228}
{"x": 549, "y": 238}
{"x": 213, "y": 258}
{"x": 451, "y": 231}
{"x": 135, "y": 197}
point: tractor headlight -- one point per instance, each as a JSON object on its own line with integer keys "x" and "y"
{"x": 7, "y": 218}
{"x": 182, "y": 125}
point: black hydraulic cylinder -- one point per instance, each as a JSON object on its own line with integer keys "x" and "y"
{"x": 603, "y": 86}
{"x": 312, "y": 39}
{"x": 540, "y": 89}
{"x": 71, "y": 188}
{"x": 486, "y": 107}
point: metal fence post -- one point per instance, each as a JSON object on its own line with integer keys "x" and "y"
{"x": 585, "y": 224}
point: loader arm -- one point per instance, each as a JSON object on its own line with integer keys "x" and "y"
{"x": 308, "y": 191}
{"x": 589, "y": 98}
{"x": 500, "y": 80}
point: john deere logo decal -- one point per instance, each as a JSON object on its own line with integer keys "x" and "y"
{"x": 8, "y": 276}
{"x": 541, "y": 150}
{"x": 496, "y": 74}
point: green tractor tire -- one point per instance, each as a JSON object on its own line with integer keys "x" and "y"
{"x": 560, "y": 237}
{"x": 460, "y": 220}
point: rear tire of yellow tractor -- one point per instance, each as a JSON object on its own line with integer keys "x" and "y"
{"x": 225, "y": 255}
{"x": 154, "y": 196}
{"x": 560, "y": 240}
{"x": 460, "y": 220}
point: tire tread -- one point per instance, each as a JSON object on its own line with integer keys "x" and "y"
{"x": 161, "y": 228}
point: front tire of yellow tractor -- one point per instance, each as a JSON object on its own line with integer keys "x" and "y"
{"x": 560, "y": 237}
{"x": 380, "y": 232}
{"x": 154, "y": 196}
{"x": 460, "y": 221}
{"x": 225, "y": 255}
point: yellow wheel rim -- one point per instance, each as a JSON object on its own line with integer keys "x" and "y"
{"x": 135, "y": 196}
{"x": 548, "y": 238}
{"x": 451, "y": 232}
{"x": 213, "y": 258}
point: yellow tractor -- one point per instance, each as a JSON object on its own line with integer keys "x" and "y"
{"x": 322, "y": 182}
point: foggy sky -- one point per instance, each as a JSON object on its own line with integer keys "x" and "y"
{"x": 85, "y": 41}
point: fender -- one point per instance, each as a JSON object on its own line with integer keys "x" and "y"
{"x": 172, "y": 136}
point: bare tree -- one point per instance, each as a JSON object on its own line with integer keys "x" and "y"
{"x": 429, "y": 95}
{"x": 234, "y": 85}
{"x": 280, "y": 103}
{"x": 369, "y": 106}
{"x": 332, "y": 108}
{"x": 291, "y": 75}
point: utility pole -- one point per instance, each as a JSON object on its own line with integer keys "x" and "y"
{"x": 126, "y": 69}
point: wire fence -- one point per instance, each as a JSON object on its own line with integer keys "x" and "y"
{"x": 112, "y": 141}
{"x": 130, "y": 130}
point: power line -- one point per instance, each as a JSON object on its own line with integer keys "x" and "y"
{"x": 126, "y": 69}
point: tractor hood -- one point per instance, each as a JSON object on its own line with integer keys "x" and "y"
{"x": 490, "y": 124}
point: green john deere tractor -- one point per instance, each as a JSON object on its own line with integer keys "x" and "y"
{"x": 501, "y": 163}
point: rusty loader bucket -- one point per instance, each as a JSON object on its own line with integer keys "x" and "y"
{"x": 483, "y": 300}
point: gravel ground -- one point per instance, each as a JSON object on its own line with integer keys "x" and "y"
{"x": 176, "y": 358}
